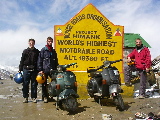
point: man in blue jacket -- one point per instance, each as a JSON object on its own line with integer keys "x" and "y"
{"x": 47, "y": 60}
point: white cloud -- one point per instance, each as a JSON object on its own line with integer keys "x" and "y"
{"x": 13, "y": 42}
{"x": 21, "y": 23}
{"x": 136, "y": 16}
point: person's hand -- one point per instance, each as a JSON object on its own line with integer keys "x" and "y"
{"x": 147, "y": 69}
{"x": 128, "y": 59}
{"x": 41, "y": 72}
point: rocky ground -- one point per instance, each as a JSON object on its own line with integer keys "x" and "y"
{"x": 12, "y": 108}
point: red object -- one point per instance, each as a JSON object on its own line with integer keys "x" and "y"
{"x": 49, "y": 47}
{"x": 75, "y": 84}
{"x": 57, "y": 86}
{"x": 104, "y": 82}
{"x": 118, "y": 34}
{"x": 142, "y": 58}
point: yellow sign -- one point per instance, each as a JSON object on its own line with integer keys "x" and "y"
{"x": 89, "y": 38}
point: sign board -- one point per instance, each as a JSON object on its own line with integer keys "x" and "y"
{"x": 89, "y": 38}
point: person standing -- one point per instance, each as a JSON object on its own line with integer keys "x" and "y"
{"x": 142, "y": 59}
{"x": 28, "y": 65}
{"x": 47, "y": 61}
{"x": 11, "y": 76}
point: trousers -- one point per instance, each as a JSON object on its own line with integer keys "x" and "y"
{"x": 143, "y": 77}
{"x": 29, "y": 76}
{"x": 44, "y": 86}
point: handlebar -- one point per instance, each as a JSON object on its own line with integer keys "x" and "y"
{"x": 100, "y": 67}
{"x": 111, "y": 62}
{"x": 68, "y": 65}
{"x": 71, "y": 64}
{"x": 91, "y": 70}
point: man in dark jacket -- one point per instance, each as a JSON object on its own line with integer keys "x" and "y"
{"x": 47, "y": 60}
{"x": 142, "y": 59}
{"x": 28, "y": 65}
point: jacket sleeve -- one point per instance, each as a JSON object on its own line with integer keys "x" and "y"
{"x": 148, "y": 58}
{"x": 22, "y": 61}
{"x": 132, "y": 54}
{"x": 40, "y": 60}
{"x": 37, "y": 54}
{"x": 55, "y": 60}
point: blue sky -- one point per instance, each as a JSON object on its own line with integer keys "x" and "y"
{"x": 24, "y": 19}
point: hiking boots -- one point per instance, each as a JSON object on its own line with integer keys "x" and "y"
{"x": 140, "y": 97}
{"x": 45, "y": 100}
{"x": 25, "y": 100}
{"x": 34, "y": 100}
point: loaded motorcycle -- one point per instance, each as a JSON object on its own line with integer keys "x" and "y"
{"x": 106, "y": 83}
{"x": 64, "y": 88}
{"x": 151, "y": 80}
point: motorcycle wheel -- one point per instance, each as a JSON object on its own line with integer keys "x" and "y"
{"x": 70, "y": 104}
{"x": 119, "y": 102}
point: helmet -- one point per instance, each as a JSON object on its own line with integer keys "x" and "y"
{"x": 18, "y": 78}
{"x": 41, "y": 78}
